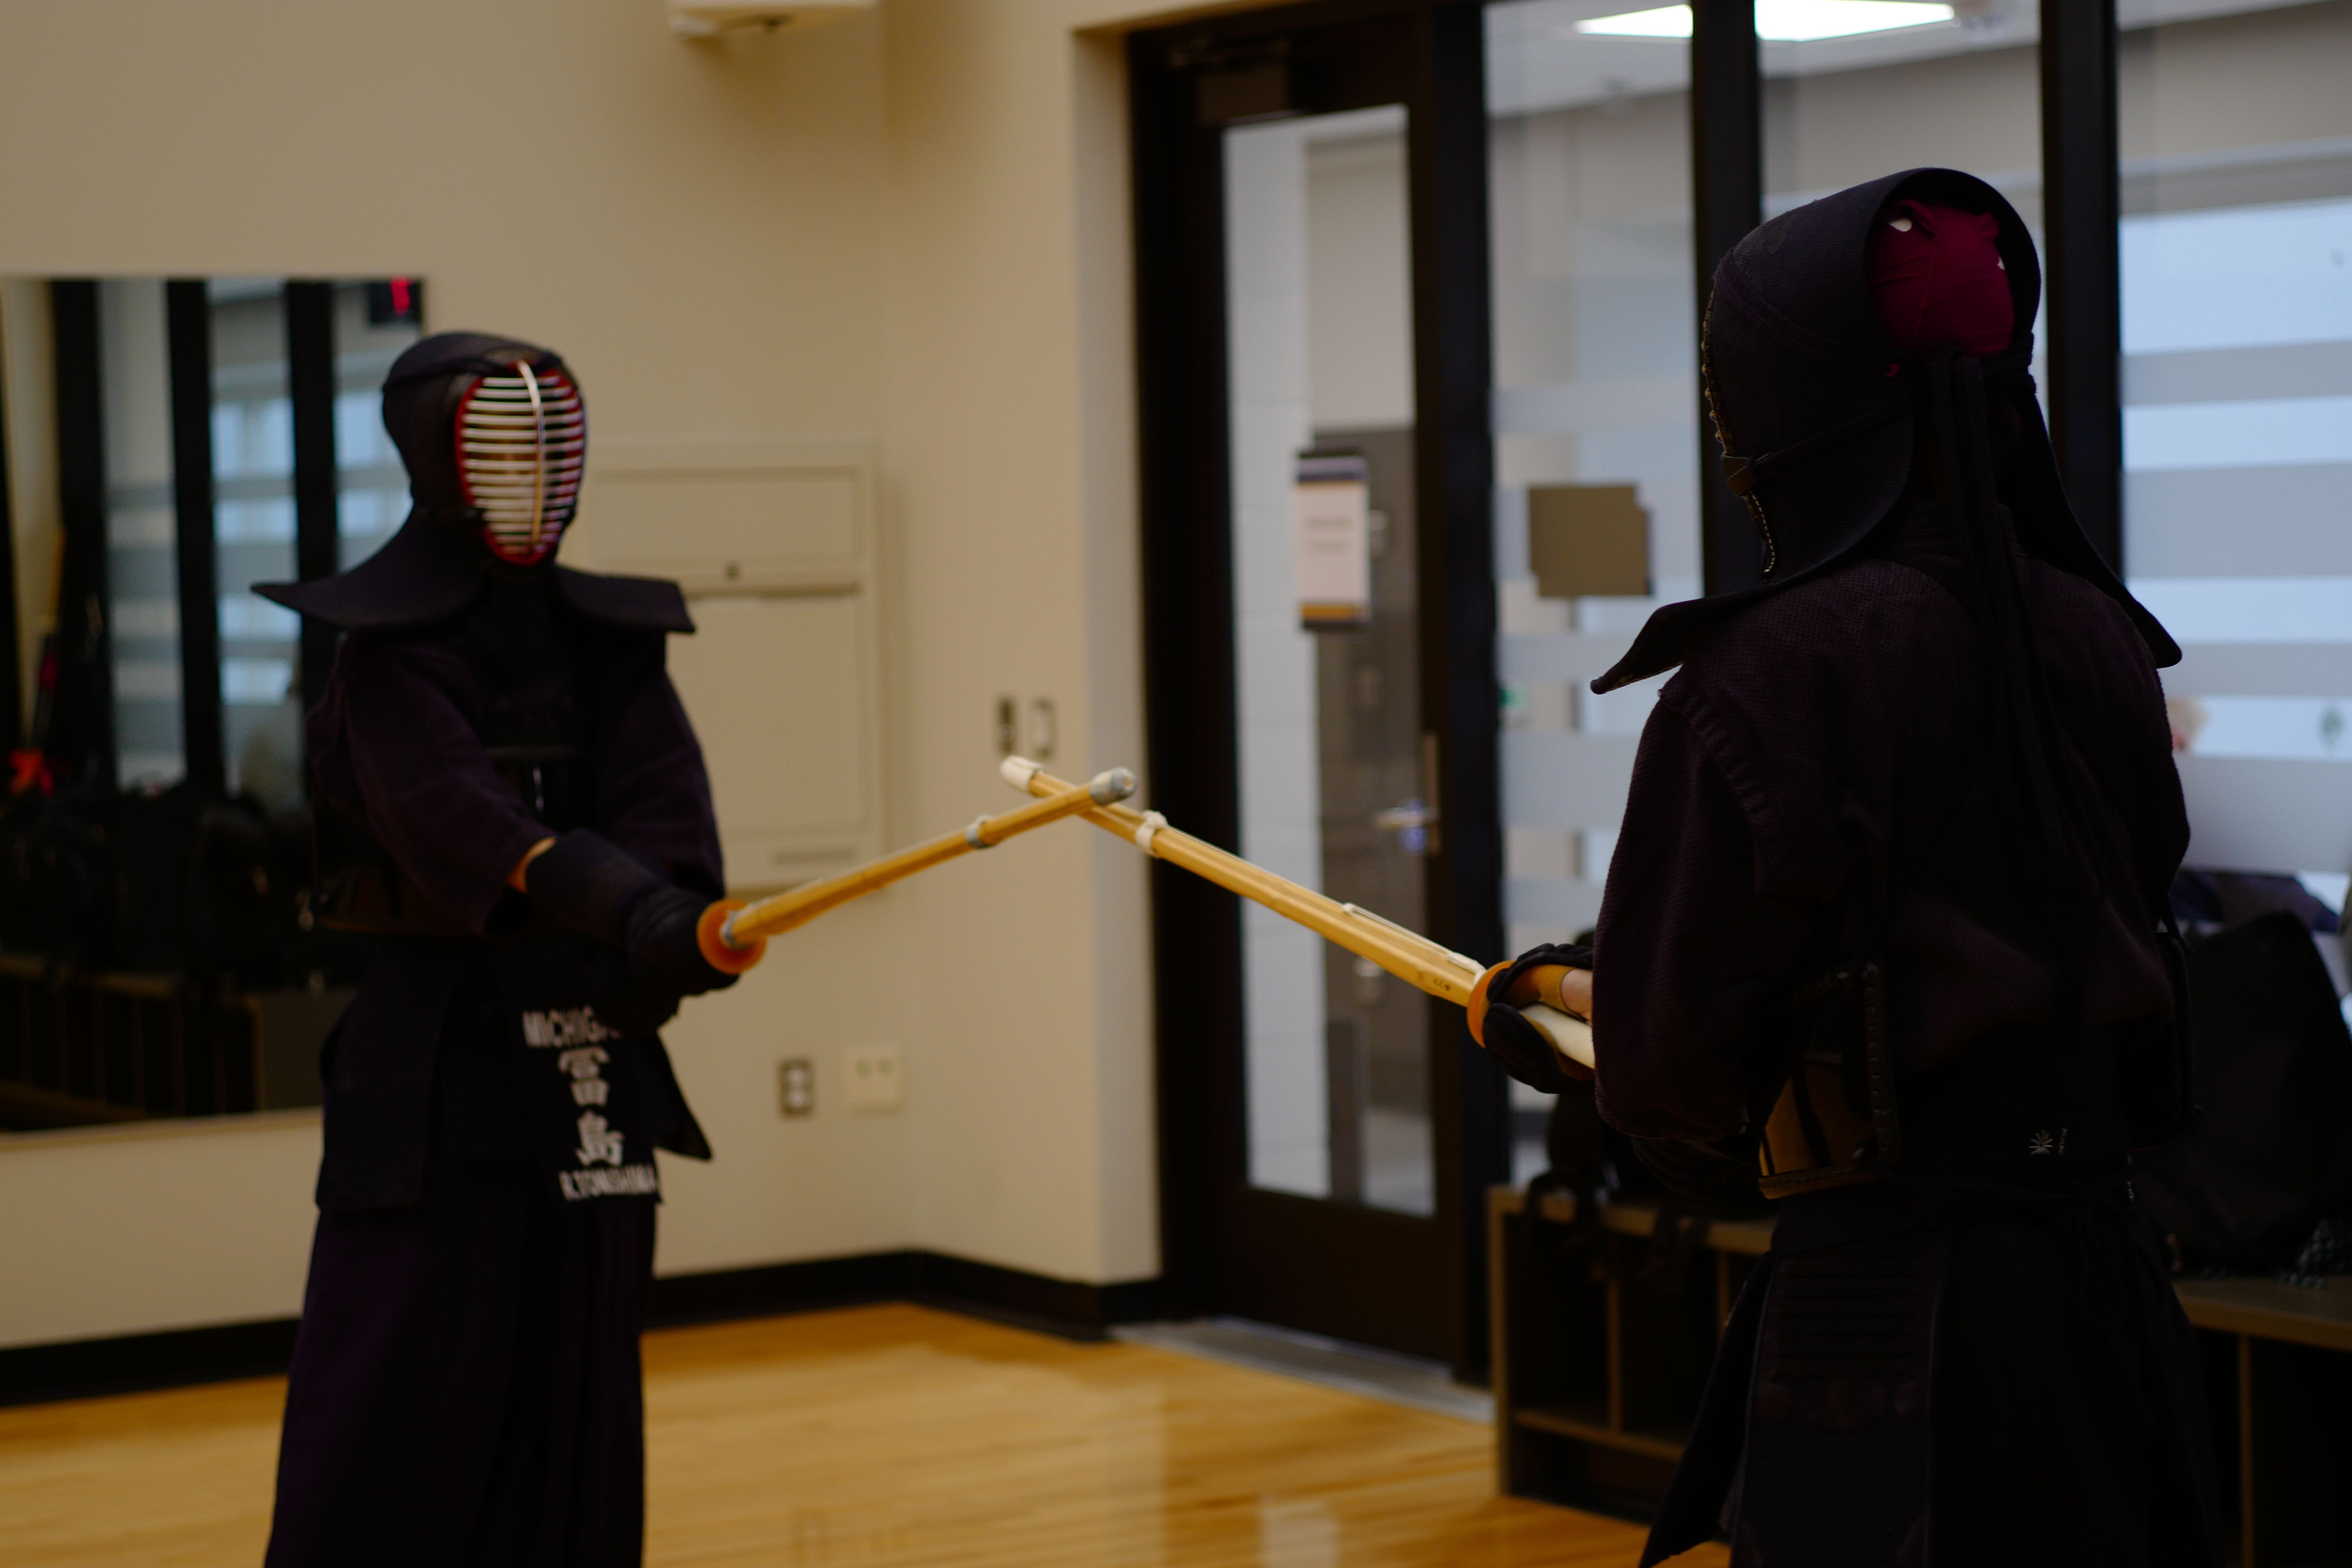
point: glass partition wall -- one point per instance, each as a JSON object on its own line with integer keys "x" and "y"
{"x": 1596, "y": 437}
{"x": 2236, "y": 137}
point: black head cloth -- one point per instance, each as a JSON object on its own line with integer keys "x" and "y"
{"x": 434, "y": 566}
{"x": 1814, "y": 406}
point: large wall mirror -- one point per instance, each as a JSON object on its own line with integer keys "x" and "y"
{"x": 164, "y": 446}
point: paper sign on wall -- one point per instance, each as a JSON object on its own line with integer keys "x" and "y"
{"x": 1331, "y": 505}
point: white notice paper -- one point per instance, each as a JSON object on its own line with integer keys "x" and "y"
{"x": 1332, "y": 506}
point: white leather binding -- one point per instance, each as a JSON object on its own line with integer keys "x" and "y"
{"x": 1570, "y": 1036}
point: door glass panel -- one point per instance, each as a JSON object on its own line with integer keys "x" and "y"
{"x": 1329, "y": 732}
{"x": 1596, "y": 438}
{"x": 2237, "y": 335}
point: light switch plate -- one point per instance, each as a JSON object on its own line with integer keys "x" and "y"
{"x": 874, "y": 1078}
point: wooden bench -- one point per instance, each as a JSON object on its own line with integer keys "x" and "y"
{"x": 1598, "y": 1373}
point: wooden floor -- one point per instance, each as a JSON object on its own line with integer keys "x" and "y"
{"x": 879, "y": 1435}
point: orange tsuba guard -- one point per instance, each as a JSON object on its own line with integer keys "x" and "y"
{"x": 1477, "y": 1004}
{"x": 717, "y": 951}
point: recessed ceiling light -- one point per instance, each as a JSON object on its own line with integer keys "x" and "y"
{"x": 1780, "y": 21}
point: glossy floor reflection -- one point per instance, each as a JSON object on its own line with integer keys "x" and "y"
{"x": 879, "y": 1435}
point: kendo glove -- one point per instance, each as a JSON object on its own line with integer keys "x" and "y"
{"x": 1498, "y": 1026}
{"x": 627, "y": 997}
{"x": 587, "y": 883}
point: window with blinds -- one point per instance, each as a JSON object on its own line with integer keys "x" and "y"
{"x": 2237, "y": 314}
{"x": 249, "y": 432}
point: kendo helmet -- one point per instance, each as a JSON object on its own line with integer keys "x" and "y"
{"x": 1813, "y": 388}
{"x": 494, "y": 434}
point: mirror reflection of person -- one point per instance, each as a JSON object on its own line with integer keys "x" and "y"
{"x": 511, "y": 806}
{"x": 1885, "y": 934}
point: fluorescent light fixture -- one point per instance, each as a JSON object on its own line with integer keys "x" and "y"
{"x": 1780, "y": 21}
{"x": 1665, "y": 21}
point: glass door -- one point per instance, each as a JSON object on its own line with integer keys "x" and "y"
{"x": 1319, "y": 372}
{"x": 1328, "y": 1130}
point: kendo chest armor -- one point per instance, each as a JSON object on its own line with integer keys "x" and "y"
{"x": 535, "y": 714}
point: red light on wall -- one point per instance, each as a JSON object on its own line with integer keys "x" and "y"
{"x": 396, "y": 301}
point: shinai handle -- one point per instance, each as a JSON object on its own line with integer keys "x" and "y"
{"x": 1536, "y": 995}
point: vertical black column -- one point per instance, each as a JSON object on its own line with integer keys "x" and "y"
{"x": 80, "y": 739}
{"x": 1178, "y": 236}
{"x": 2082, "y": 200}
{"x": 12, "y": 666}
{"x": 311, "y": 384}
{"x": 189, "y": 328}
{"x": 1454, "y": 431}
{"x": 1726, "y": 132}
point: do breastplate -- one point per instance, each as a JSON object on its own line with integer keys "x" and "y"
{"x": 536, "y": 718}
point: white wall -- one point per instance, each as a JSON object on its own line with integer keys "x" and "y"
{"x": 911, "y": 229}
{"x": 1011, "y": 393}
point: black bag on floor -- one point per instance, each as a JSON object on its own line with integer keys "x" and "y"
{"x": 154, "y": 881}
{"x": 2275, "y": 1073}
{"x": 56, "y": 881}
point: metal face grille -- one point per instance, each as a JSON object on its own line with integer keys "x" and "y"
{"x": 522, "y": 440}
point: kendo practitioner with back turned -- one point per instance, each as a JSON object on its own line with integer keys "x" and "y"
{"x": 1884, "y": 929}
{"x": 510, "y": 804}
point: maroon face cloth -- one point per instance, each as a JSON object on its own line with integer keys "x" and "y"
{"x": 1937, "y": 277}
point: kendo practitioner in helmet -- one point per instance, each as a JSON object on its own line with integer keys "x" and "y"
{"x": 510, "y": 803}
{"x": 1884, "y": 925}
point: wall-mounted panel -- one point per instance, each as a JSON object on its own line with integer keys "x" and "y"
{"x": 773, "y": 541}
{"x": 780, "y": 690}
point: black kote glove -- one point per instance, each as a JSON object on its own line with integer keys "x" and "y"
{"x": 1514, "y": 1042}
{"x": 587, "y": 883}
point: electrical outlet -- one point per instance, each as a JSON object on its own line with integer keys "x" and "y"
{"x": 796, "y": 1086}
{"x": 875, "y": 1077}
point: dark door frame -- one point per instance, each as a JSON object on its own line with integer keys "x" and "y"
{"x": 2082, "y": 271}
{"x": 1228, "y": 1246}
{"x": 188, "y": 316}
{"x": 80, "y": 742}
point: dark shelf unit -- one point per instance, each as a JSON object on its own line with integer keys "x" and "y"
{"x": 1597, "y": 1373}
{"x": 1598, "y": 1368}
